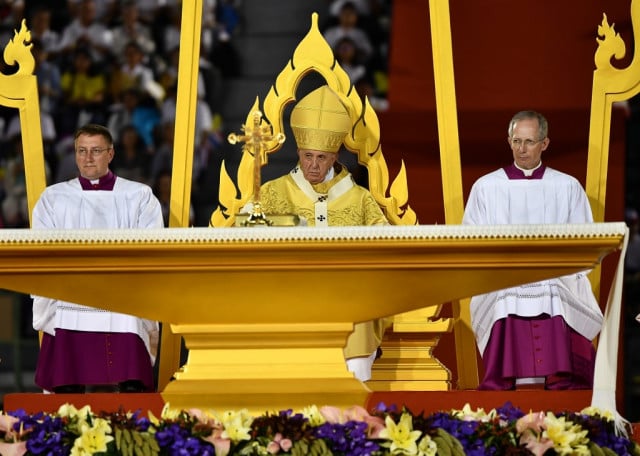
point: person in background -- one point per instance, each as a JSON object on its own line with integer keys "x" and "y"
{"x": 84, "y": 91}
{"x": 132, "y": 29}
{"x": 347, "y": 26}
{"x": 84, "y": 348}
{"x": 322, "y": 192}
{"x": 132, "y": 159}
{"x": 87, "y": 31}
{"x": 540, "y": 333}
{"x": 162, "y": 190}
{"x": 14, "y": 207}
{"x": 41, "y": 31}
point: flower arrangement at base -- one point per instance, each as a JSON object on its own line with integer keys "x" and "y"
{"x": 313, "y": 431}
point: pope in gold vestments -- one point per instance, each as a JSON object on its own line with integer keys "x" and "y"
{"x": 322, "y": 192}
{"x": 352, "y": 205}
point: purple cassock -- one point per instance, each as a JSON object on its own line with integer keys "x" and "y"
{"x": 92, "y": 358}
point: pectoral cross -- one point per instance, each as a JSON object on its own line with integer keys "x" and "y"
{"x": 255, "y": 138}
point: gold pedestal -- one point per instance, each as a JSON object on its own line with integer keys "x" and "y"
{"x": 407, "y": 362}
{"x": 264, "y": 367}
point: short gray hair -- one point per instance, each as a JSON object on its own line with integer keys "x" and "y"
{"x": 543, "y": 125}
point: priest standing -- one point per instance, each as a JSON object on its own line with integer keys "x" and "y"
{"x": 539, "y": 333}
{"x": 85, "y": 349}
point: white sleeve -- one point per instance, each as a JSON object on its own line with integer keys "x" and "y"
{"x": 42, "y": 216}
{"x": 44, "y": 312}
{"x": 579, "y": 206}
{"x": 475, "y": 208}
{"x": 150, "y": 211}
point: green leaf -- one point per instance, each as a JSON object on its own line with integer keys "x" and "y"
{"x": 454, "y": 444}
{"x": 595, "y": 449}
{"x": 608, "y": 451}
{"x": 137, "y": 439}
{"x": 444, "y": 447}
{"x": 118, "y": 438}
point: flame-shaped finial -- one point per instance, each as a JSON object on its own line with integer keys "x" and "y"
{"x": 18, "y": 50}
{"x": 610, "y": 46}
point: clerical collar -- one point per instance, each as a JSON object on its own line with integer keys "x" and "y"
{"x": 513, "y": 171}
{"x": 106, "y": 182}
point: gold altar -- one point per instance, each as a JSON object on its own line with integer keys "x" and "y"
{"x": 246, "y": 300}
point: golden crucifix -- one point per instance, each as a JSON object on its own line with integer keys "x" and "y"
{"x": 254, "y": 138}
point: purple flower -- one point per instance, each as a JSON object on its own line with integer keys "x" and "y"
{"x": 509, "y": 413}
{"x": 349, "y": 438}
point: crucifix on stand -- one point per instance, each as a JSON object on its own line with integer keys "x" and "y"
{"x": 255, "y": 137}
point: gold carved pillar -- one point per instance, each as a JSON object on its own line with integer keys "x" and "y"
{"x": 407, "y": 362}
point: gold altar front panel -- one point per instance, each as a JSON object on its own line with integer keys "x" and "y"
{"x": 208, "y": 279}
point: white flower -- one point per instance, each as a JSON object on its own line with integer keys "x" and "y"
{"x": 427, "y": 447}
{"x": 67, "y": 410}
{"x": 467, "y": 414}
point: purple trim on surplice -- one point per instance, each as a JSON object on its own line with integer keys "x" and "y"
{"x": 515, "y": 173}
{"x": 106, "y": 182}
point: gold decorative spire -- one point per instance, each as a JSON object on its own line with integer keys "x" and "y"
{"x": 20, "y": 90}
{"x": 18, "y": 50}
{"x": 610, "y": 84}
{"x": 611, "y": 45}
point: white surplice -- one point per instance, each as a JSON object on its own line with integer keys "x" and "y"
{"x": 557, "y": 198}
{"x": 67, "y": 206}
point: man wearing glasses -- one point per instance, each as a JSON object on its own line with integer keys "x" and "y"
{"x": 539, "y": 333}
{"x": 83, "y": 348}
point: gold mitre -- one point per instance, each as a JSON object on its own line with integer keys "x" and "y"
{"x": 320, "y": 121}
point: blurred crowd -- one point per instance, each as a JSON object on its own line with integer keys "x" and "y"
{"x": 358, "y": 32}
{"x": 115, "y": 62}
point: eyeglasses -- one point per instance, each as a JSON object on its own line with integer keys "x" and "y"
{"x": 95, "y": 152}
{"x": 516, "y": 143}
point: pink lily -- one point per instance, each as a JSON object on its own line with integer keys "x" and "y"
{"x": 13, "y": 449}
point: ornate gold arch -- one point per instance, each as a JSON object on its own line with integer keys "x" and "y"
{"x": 314, "y": 54}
